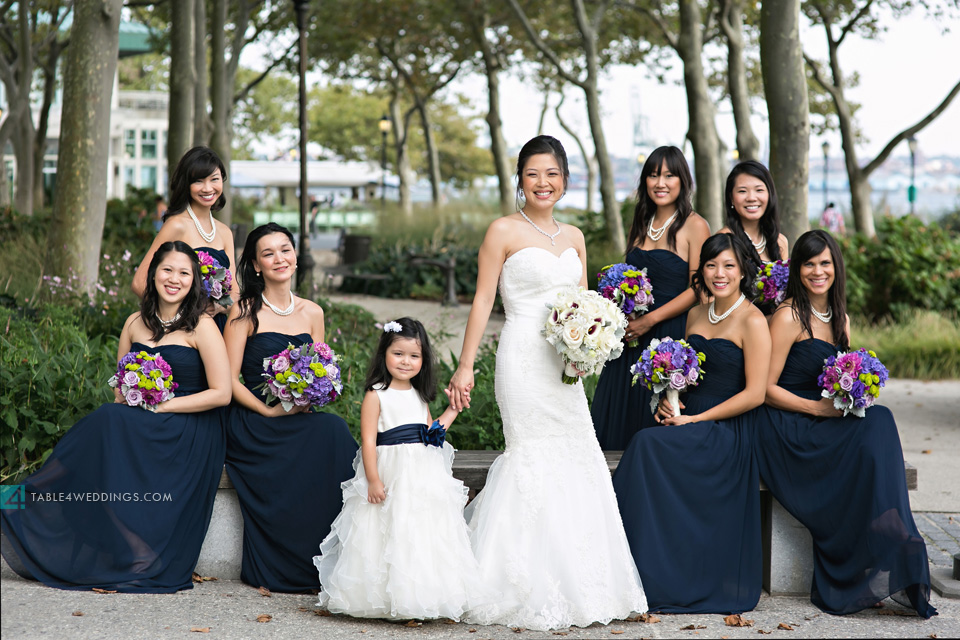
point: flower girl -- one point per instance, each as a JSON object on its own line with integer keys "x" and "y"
{"x": 400, "y": 547}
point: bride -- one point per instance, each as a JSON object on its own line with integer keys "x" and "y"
{"x": 545, "y": 529}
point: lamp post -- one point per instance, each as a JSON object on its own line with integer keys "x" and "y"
{"x": 912, "y": 191}
{"x": 826, "y": 168}
{"x": 305, "y": 260}
{"x": 385, "y": 125}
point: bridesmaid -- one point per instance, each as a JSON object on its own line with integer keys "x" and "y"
{"x": 841, "y": 477}
{"x": 286, "y": 467}
{"x": 151, "y": 476}
{"x": 689, "y": 495}
{"x": 750, "y": 203}
{"x": 196, "y": 187}
{"x": 665, "y": 239}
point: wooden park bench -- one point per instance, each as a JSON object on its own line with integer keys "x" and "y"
{"x": 353, "y": 250}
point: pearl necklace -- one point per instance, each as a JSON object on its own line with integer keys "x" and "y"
{"x": 656, "y": 234}
{"x": 715, "y": 319}
{"x": 759, "y": 246}
{"x": 822, "y": 317}
{"x": 167, "y": 323}
{"x": 277, "y": 310}
{"x": 552, "y": 241}
{"x": 207, "y": 237}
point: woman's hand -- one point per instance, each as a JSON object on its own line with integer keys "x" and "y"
{"x": 823, "y": 408}
{"x": 665, "y": 410}
{"x": 118, "y": 397}
{"x": 459, "y": 388}
{"x": 376, "y": 492}
{"x": 674, "y": 421}
{"x": 638, "y": 326}
{"x": 277, "y": 410}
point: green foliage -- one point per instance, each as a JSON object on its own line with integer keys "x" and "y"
{"x": 480, "y": 426}
{"x": 910, "y": 265}
{"x": 923, "y": 344}
{"x": 52, "y": 374}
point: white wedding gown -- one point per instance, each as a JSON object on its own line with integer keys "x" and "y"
{"x": 546, "y": 529}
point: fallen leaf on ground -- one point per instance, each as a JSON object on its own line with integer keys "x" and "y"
{"x": 449, "y": 621}
{"x": 691, "y": 627}
{"x": 737, "y": 620}
{"x": 559, "y": 633}
{"x": 647, "y": 618}
{"x": 323, "y": 613}
{"x": 78, "y": 613}
{"x": 98, "y": 590}
{"x": 766, "y": 633}
{"x": 933, "y": 635}
{"x": 200, "y": 629}
{"x": 927, "y": 451}
{"x": 264, "y": 617}
{"x": 264, "y": 592}
{"x": 471, "y": 631}
{"x": 784, "y": 626}
{"x": 616, "y": 632}
{"x": 518, "y": 629}
{"x": 413, "y": 623}
{"x": 199, "y": 578}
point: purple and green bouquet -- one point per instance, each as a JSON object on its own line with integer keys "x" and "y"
{"x": 144, "y": 379}
{"x": 853, "y": 379}
{"x": 771, "y": 284}
{"x": 668, "y": 365}
{"x": 216, "y": 279}
{"x": 628, "y": 287}
{"x": 304, "y": 376}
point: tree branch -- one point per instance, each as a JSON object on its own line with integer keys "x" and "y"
{"x": 144, "y": 3}
{"x": 240, "y": 95}
{"x": 672, "y": 39}
{"x": 909, "y": 131}
{"x": 853, "y": 21}
{"x": 818, "y": 77}
{"x": 542, "y": 46}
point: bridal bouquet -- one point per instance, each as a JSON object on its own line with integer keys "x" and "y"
{"x": 771, "y": 283}
{"x": 144, "y": 379}
{"x": 586, "y": 329}
{"x": 628, "y": 287}
{"x": 668, "y": 365}
{"x": 216, "y": 279}
{"x": 853, "y": 379}
{"x": 308, "y": 375}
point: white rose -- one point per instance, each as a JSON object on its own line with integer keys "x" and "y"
{"x": 573, "y": 334}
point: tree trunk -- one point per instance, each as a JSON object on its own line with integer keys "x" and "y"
{"x": 182, "y": 80}
{"x": 404, "y": 172}
{"x": 220, "y": 96}
{"x": 81, "y": 197}
{"x": 6, "y": 130}
{"x": 24, "y": 133}
{"x": 731, "y": 21}
{"x": 433, "y": 154}
{"x": 703, "y": 128}
{"x": 785, "y": 86}
{"x": 498, "y": 145}
{"x": 40, "y": 138}
{"x": 201, "y": 123}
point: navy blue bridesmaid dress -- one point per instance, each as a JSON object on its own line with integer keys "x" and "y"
{"x": 843, "y": 479}
{"x": 220, "y": 256}
{"x": 620, "y": 410}
{"x": 287, "y": 472}
{"x": 689, "y": 498}
{"x": 124, "y": 500}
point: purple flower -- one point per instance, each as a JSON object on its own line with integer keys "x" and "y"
{"x": 134, "y": 397}
{"x": 130, "y": 378}
{"x": 280, "y": 364}
{"x": 678, "y": 381}
{"x": 846, "y": 382}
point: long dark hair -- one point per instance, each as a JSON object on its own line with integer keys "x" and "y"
{"x": 646, "y": 208}
{"x": 196, "y": 164}
{"x": 769, "y": 222}
{"x": 714, "y": 246}
{"x": 811, "y": 244}
{"x": 192, "y": 306}
{"x": 251, "y": 283}
{"x": 536, "y": 146}
{"x": 424, "y": 382}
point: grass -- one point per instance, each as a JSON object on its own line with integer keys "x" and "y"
{"x": 924, "y": 345}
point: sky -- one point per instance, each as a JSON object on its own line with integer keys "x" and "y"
{"x": 903, "y": 76}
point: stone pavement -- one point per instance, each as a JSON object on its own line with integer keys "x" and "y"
{"x": 926, "y": 414}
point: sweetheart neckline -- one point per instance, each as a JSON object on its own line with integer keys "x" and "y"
{"x": 557, "y": 256}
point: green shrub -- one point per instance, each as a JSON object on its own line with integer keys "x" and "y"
{"x": 922, "y": 344}
{"x": 52, "y": 374}
{"x": 480, "y": 426}
{"x": 909, "y": 265}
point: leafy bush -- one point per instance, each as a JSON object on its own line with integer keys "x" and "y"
{"x": 480, "y": 426}
{"x": 922, "y": 344}
{"x": 910, "y": 265}
{"x": 52, "y": 374}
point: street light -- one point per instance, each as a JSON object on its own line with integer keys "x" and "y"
{"x": 385, "y": 125}
{"x": 826, "y": 168}
{"x": 912, "y": 191}
{"x": 305, "y": 260}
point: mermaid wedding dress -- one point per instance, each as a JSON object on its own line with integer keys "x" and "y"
{"x": 546, "y": 529}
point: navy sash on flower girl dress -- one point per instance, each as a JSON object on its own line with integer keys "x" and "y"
{"x": 413, "y": 434}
